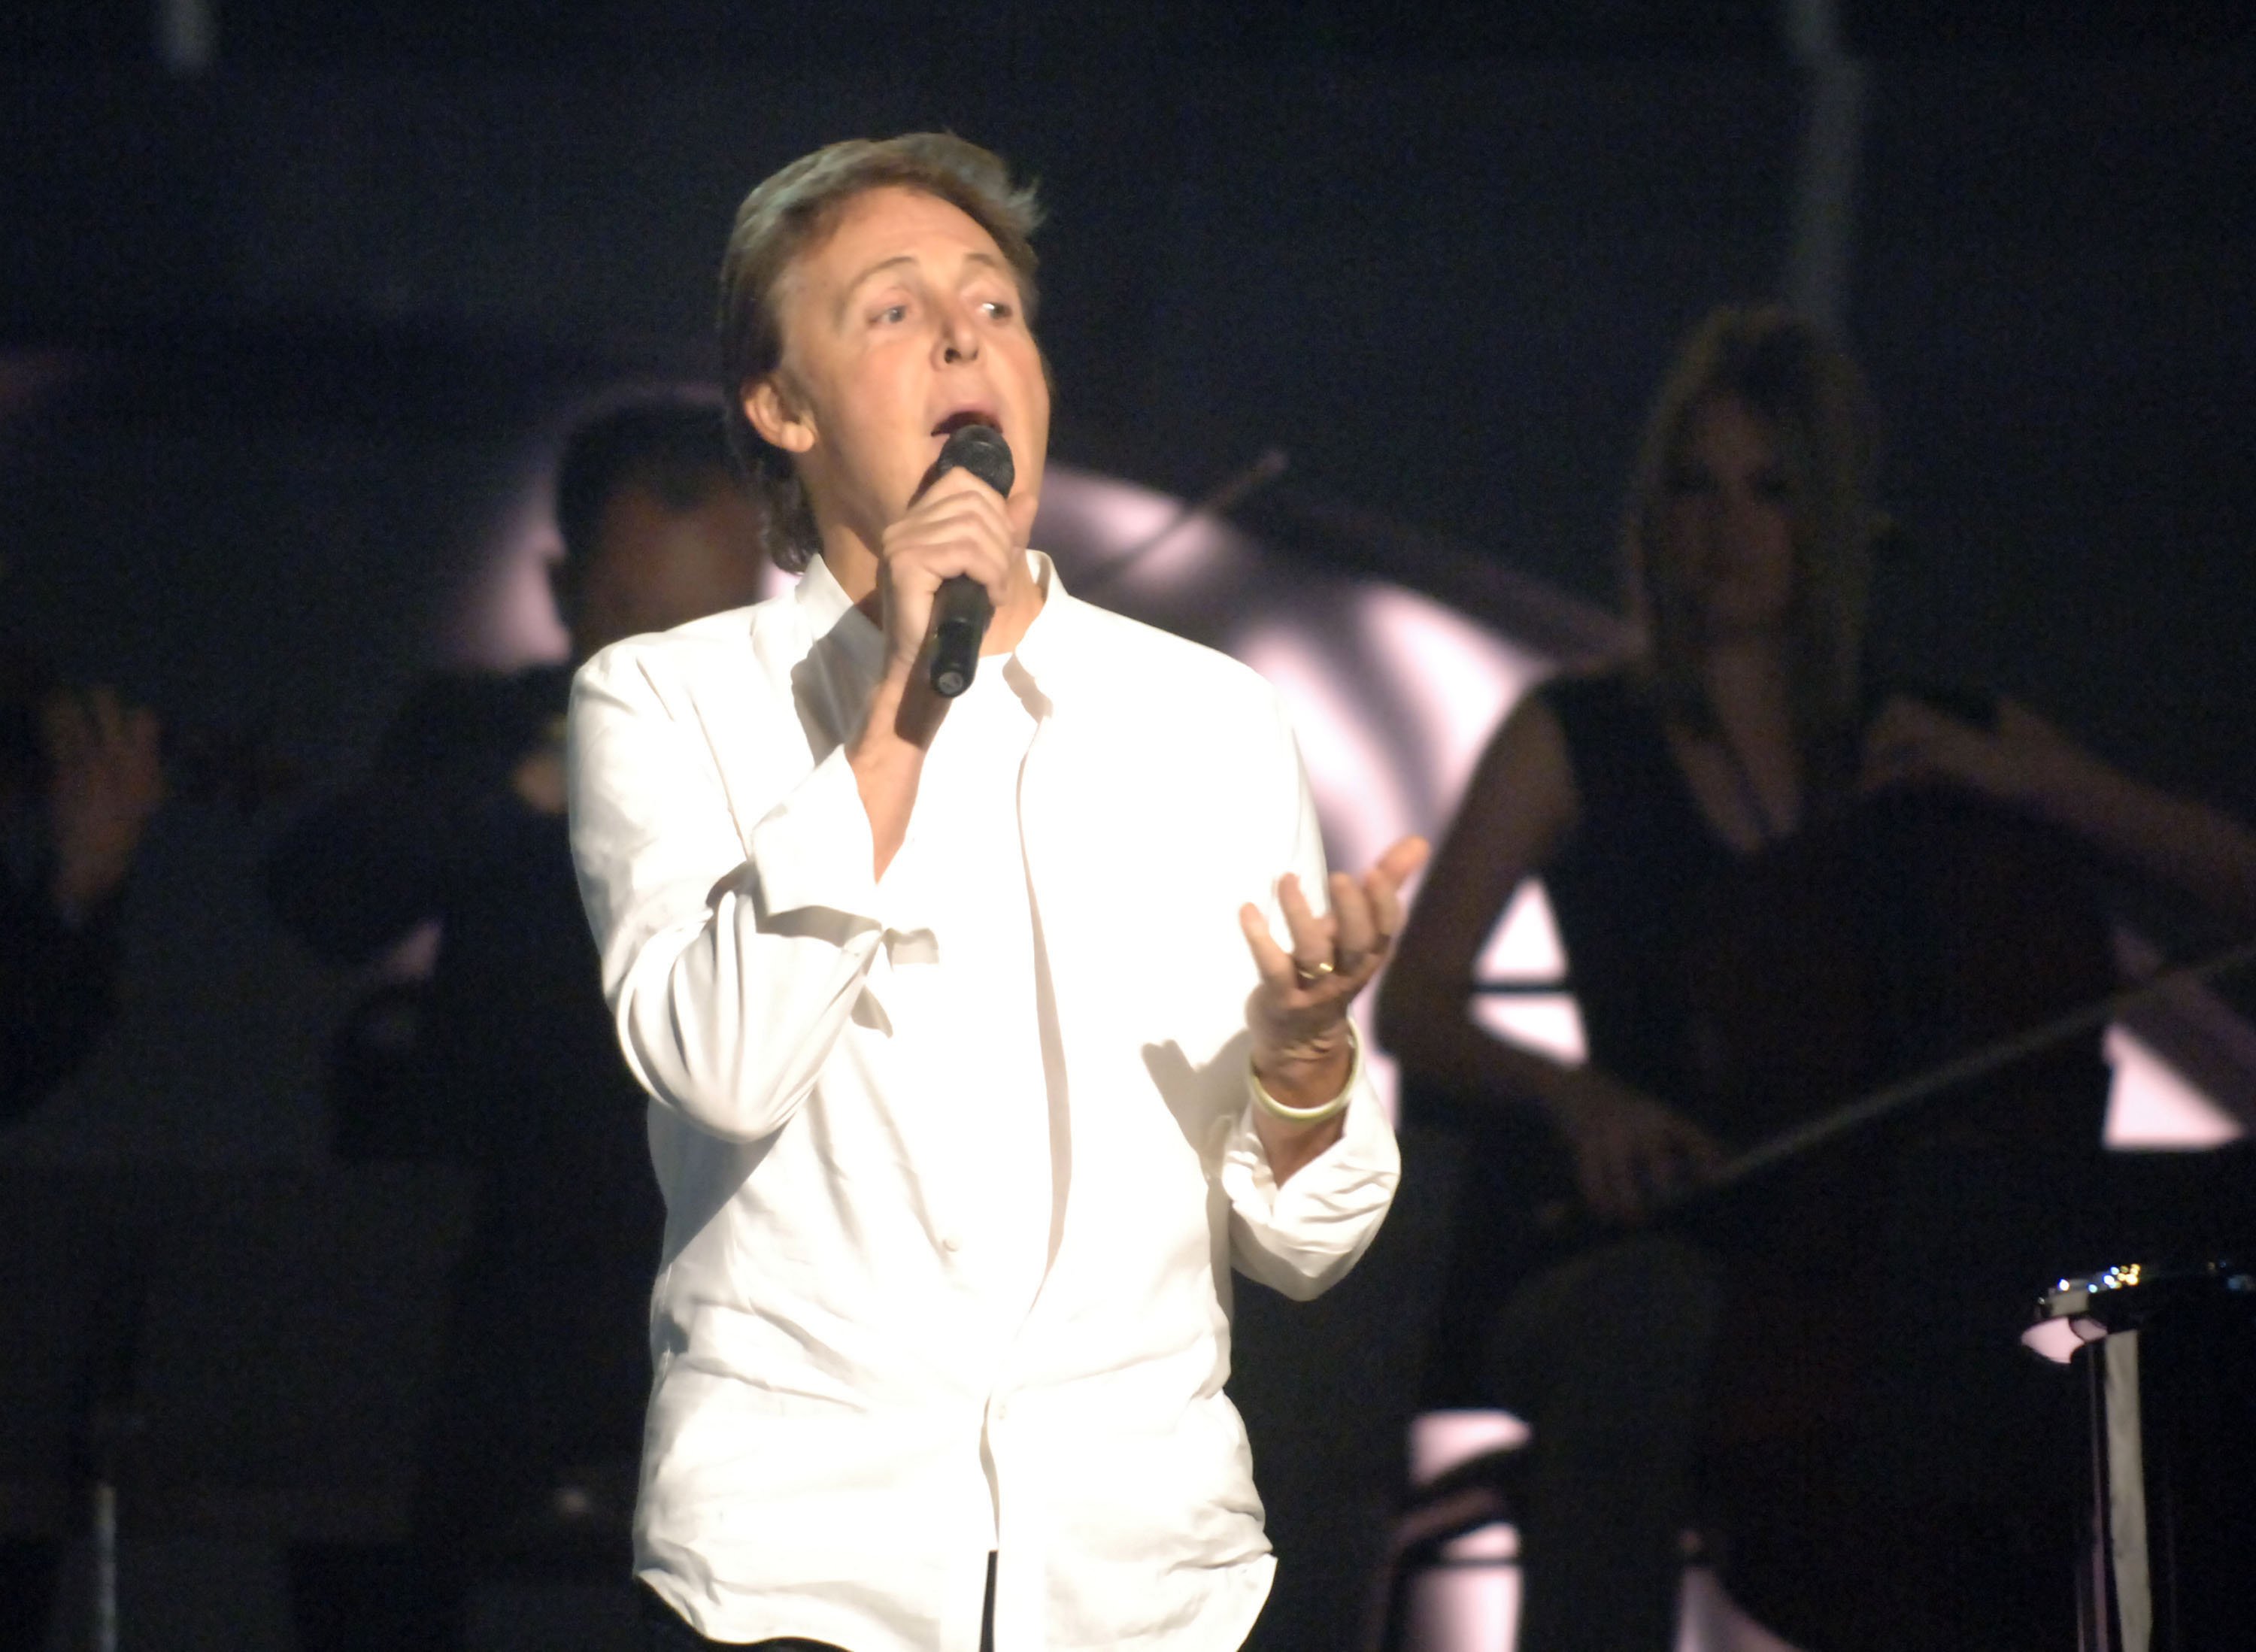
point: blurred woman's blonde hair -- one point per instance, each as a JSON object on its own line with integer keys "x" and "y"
{"x": 1811, "y": 399}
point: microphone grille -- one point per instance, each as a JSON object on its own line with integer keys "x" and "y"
{"x": 980, "y": 449}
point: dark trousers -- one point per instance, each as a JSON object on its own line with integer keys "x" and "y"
{"x": 667, "y": 1632}
{"x": 1954, "y": 1485}
{"x": 1604, "y": 1356}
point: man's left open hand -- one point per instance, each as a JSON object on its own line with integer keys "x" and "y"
{"x": 1298, "y": 1015}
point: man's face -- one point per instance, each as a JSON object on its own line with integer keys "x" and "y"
{"x": 655, "y": 566}
{"x": 902, "y": 324}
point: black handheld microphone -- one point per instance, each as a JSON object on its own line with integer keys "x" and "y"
{"x": 961, "y": 608}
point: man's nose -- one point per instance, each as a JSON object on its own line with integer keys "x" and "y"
{"x": 959, "y": 338}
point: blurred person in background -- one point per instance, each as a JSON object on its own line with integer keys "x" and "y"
{"x": 81, "y": 776}
{"x": 1777, "y": 885}
{"x": 504, "y": 1060}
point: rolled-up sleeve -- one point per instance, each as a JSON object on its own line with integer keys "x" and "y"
{"x": 732, "y": 961}
{"x": 1302, "y": 1236}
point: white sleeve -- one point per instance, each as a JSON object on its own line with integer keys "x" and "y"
{"x": 1301, "y": 1237}
{"x": 731, "y": 961}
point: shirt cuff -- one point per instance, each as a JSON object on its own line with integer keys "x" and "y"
{"x": 1365, "y": 1154}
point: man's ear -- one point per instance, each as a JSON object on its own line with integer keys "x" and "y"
{"x": 778, "y": 416}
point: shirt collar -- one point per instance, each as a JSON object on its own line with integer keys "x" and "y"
{"x": 823, "y": 601}
{"x": 1045, "y": 655}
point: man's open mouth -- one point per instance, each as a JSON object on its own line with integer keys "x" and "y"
{"x": 963, "y": 416}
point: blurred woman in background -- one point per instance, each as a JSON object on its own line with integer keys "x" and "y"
{"x": 1776, "y": 888}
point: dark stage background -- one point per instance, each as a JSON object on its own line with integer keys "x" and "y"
{"x": 290, "y": 325}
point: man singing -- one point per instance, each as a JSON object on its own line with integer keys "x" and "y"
{"x": 973, "y": 1070}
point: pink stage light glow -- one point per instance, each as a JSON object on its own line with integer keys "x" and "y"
{"x": 507, "y": 619}
{"x": 1131, "y": 543}
{"x": 2152, "y": 1105}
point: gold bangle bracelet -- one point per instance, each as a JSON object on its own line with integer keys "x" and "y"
{"x": 1336, "y": 1105}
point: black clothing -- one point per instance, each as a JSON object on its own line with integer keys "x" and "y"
{"x": 29, "y": 1567}
{"x": 58, "y": 991}
{"x": 1618, "y": 887}
{"x": 515, "y": 1050}
{"x": 58, "y": 996}
{"x": 1938, "y": 1230}
{"x": 512, "y": 1069}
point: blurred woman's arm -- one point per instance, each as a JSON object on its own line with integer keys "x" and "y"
{"x": 1519, "y": 810}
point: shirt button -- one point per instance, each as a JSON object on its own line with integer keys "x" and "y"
{"x": 951, "y": 1244}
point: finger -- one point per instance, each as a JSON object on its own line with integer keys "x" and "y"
{"x": 960, "y": 534}
{"x": 960, "y": 492}
{"x": 1274, "y": 963}
{"x": 954, "y": 480}
{"x": 928, "y": 551}
{"x": 961, "y": 489}
{"x": 968, "y": 536}
{"x": 1383, "y": 885}
{"x": 1401, "y": 862}
{"x": 958, "y": 497}
{"x": 1355, "y": 929}
{"x": 1312, "y": 935}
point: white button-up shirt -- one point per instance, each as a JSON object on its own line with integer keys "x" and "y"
{"x": 956, "y": 1161}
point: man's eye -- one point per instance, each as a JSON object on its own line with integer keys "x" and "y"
{"x": 998, "y": 309}
{"x": 892, "y": 315}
